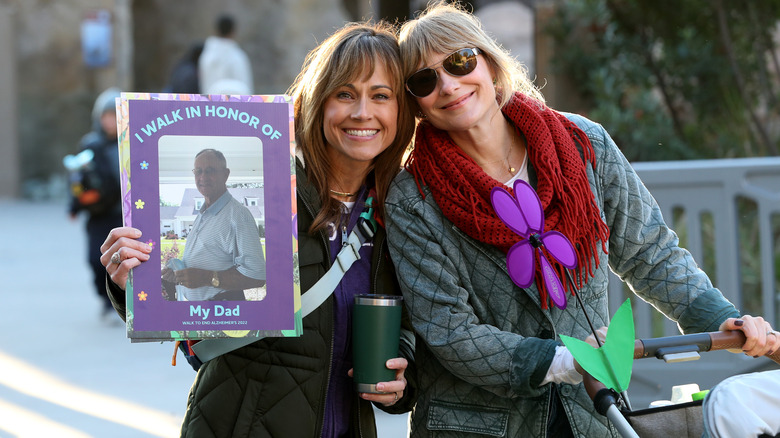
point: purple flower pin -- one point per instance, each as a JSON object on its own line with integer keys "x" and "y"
{"x": 524, "y": 215}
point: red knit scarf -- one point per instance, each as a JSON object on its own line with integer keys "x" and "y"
{"x": 462, "y": 189}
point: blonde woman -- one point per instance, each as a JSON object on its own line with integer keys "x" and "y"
{"x": 489, "y": 357}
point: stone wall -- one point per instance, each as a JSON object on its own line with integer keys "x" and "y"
{"x": 275, "y": 34}
{"x": 9, "y": 151}
{"x": 55, "y": 90}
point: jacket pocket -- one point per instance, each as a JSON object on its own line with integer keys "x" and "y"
{"x": 467, "y": 418}
{"x": 248, "y": 421}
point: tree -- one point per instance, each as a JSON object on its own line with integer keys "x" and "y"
{"x": 675, "y": 80}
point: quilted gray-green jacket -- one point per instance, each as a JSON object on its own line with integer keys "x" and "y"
{"x": 484, "y": 345}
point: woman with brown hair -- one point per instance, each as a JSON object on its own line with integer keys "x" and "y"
{"x": 352, "y": 127}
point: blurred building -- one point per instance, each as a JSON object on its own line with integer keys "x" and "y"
{"x": 58, "y": 56}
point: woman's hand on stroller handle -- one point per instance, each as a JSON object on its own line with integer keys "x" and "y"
{"x": 696, "y": 342}
{"x": 722, "y": 340}
{"x": 607, "y": 401}
{"x": 761, "y": 338}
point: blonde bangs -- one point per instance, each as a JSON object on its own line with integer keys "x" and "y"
{"x": 430, "y": 34}
{"x": 444, "y": 28}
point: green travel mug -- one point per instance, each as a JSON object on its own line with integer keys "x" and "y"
{"x": 376, "y": 329}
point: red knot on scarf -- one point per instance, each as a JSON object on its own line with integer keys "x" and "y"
{"x": 462, "y": 189}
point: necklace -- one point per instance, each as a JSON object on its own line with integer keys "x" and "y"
{"x": 509, "y": 166}
{"x": 342, "y": 194}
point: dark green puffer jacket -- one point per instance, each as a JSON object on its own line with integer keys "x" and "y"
{"x": 276, "y": 387}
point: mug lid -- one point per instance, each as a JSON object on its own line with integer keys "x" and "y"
{"x": 378, "y": 299}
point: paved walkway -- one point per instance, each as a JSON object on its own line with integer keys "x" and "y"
{"x": 65, "y": 372}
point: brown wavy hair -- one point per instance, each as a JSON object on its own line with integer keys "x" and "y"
{"x": 352, "y": 52}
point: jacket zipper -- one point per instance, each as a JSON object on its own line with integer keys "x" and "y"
{"x": 326, "y": 245}
{"x": 503, "y": 268}
{"x": 327, "y": 381}
{"x": 374, "y": 281}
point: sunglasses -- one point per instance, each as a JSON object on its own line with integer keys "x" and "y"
{"x": 458, "y": 63}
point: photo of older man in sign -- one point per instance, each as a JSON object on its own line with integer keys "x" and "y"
{"x": 211, "y": 218}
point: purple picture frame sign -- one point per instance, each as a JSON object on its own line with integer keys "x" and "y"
{"x": 159, "y": 136}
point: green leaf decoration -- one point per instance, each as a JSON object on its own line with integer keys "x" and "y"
{"x": 611, "y": 364}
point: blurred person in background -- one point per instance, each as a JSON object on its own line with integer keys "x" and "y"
{"x": 184, "y": 77}
{"x": 95, "y": 189}
{"x": 223, "y": 66}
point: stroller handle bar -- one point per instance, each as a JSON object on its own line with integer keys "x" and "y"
{"x": 657, "y": 347}
{"x": 605, "y": 400}
{"x": 696, "y": 342}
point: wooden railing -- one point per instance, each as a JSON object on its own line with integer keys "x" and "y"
{"x": 727, "y": 213}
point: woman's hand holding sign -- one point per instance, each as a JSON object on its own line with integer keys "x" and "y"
{"x": 122, "y": 251}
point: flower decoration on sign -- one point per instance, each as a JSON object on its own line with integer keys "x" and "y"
{"x": 144, "y": 165}
{"x": 524, "y": 215}
{"x": 142, "y": 296}
{"x": 139, "y": 204}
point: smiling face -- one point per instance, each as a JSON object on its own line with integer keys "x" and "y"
{"x": 211, "y": 174}
{"x": 459, "y": 102}
{"x": 360, "y": 119}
